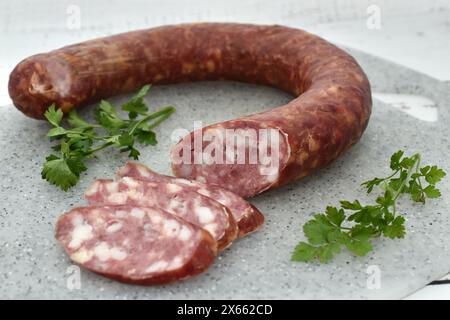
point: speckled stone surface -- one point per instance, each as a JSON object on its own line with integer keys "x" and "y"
{"x": 33, "y": 264}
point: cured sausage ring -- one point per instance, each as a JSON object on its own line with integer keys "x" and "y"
{"x": 329, "y": 115}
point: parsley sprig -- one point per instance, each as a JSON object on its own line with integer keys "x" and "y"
{"x": 81, "y": 140}
{"x": 353, "y": 225}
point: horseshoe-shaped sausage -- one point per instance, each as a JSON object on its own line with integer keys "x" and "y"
{"x": 329, "y": 115}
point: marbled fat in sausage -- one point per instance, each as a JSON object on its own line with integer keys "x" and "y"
{"x": 247, "y": 216}
{"x": 137, "y": 245}
{"x": 182, "y": 202}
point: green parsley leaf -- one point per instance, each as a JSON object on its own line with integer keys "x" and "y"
{"x": 335, "y": 216}
{"x": 359, "y": 247}
{"x": 304, "y": 252}
{"x": 56, "y": 132}
{"x": 126, "y": 140}
{"x": 75, "y": 121}
{"x": 146, "y": 137}
{"x": 58, "y": 172}
{"x": 53, "y": 116}
{"x": 81, "y": 145}
{"x": 326, "y": 253}
{"x": 134, "y": 153}
{"x": 317, "y": 230}
{"x": 107, "y": 117}
{"x": 136, "y": 105}
{"x": 372, "y": 183}
{"x": 432, "y": 192}
{"x": 395, "y": 160}
{"x": 416, "y": 191}
{"x": 434, "y": 175}
{"x": 355, "y": 205}
{"x": 396, "y": 229}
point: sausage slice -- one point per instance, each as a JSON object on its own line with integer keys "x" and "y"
{"x": 247, "y": 216}
{"x": 182, "y": 202}
{"x": 138, "y": 245}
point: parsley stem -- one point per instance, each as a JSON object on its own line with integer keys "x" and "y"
{"x": 163, "y": 113}
{"x": 418, "y": 179}
{"x": 163, "y": 117}
{"x": 416, "y": 158}
{"x": 391, "y": 175}
{"x": 103, "y": 146}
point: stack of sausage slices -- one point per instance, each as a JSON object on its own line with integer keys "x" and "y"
{"x": 147, "y": 228}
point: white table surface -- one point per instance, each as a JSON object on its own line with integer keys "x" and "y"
{"x": 415, "y": 34}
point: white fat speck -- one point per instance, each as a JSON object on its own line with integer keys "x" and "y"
{"x": 102, "y": 251}
{"x": 152, "y": 184}
{"x": 269, "y": 173}
{"x": 204, "y": 192}
{"x": 114, "y": 227}
{"x": 143, "y": 171}
{"x": 173, "y": 188}
{"x": 185, "y": 234}
{"x": 174, "y": 203}
{"x": 80, "y": 234}
{"x": 272, "y": 178}
{"x": 205, "y": 215}
{"x": 137, "y": 213}
{"x": 135, "y": 195}
{"x": 118, "y": 254}
{"x": 118, "y": 198}
{"x": 82, "y": 256}
{"x": 120, "y": 213}
{"x": 157, "y": 266}
{"x": 171, "y": 227}
{"x": 131, "y": 271}
{"x": 92, "y": 189}
{"x": 268, "y": 170}
{"x": 112, "y": 187}
{"x": 154, "y": 217}
{"x": 77, "y": 220}
{"x": 96, "y": 213}
{"x": 183, "y": 181}
{"x": 201, "y": 179}
{"x": 212, "y": 229}
{"x": 176, "y": 263}
{"x": 130, "y": 182}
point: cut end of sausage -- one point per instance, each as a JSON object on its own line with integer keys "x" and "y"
{"x": 241, "y": 156}
{"x": 19, "y": 90}
{"x": 251, "y": 221}
{"x": 154, "y": 247}
{"x": 33, "y": 89}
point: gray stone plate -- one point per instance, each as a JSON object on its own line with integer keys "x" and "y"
{"x": 33, "y": 264}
